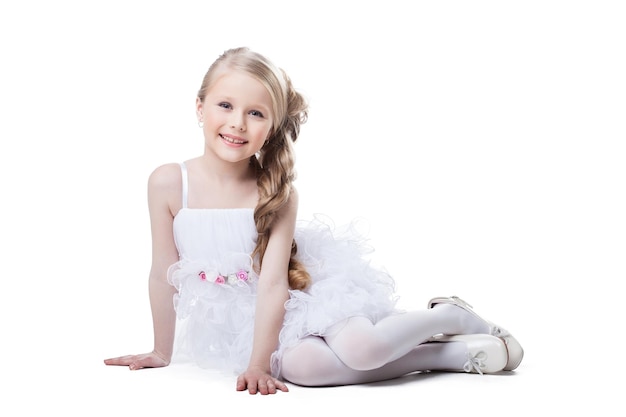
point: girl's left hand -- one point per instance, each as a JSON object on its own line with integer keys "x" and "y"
{"x": 257, "y": 380}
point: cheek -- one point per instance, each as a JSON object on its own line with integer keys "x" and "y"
{"x": 261, "y": 131}
{"x": 213, "y": 118}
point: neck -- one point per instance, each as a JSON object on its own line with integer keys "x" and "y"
{"x": 225, "y": 171}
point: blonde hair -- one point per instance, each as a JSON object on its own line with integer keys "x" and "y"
{"x": 274, "y": 164}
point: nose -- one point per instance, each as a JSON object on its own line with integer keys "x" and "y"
{"x": 238, "y": 122}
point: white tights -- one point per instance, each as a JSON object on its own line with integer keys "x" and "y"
{"x": 357, "y": 351}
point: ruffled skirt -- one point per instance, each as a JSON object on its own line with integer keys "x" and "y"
{"x": 215, "y": 303}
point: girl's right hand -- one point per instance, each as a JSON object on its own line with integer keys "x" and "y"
{"x": 134, "y": 362}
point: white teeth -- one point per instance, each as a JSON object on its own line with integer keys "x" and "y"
{"x": 231, "y": 140}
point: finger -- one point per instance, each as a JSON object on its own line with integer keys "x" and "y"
{"x": 274, "y": 385}
{"x": 281, "y": 386}
{"x": 120, "y": 361}
{"x": 263, "y": 388}
{"x": 252, "y": 387}
{"x": 271, "y": 387}
{"x": 241, "y": 383}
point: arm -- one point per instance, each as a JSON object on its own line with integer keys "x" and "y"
{"x": 163, "y": 195}
{"x": 270, "y": 311}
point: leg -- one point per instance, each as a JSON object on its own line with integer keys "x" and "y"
{"x": 313, "y": 363}
{"x": 362, "y": 345}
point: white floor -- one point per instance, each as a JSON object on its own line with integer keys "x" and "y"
{"x": 563, "y": 372}
{"x": 79, "y": 387}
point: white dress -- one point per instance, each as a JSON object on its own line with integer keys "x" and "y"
{"x": 217, "y": 286}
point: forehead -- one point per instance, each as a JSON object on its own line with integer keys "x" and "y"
{"x": 240, "y": 84}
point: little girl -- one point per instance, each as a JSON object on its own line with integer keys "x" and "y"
{"x": 242, "y": 286}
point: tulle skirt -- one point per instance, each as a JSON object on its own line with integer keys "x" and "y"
{"x": 215, "y": 303}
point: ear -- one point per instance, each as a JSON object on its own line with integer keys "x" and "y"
{"x": 199, "y": 108}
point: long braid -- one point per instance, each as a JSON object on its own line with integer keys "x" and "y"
{"x": 276, "y": 174}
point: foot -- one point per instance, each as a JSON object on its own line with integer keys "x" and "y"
{"x": 486, "y": 354}
{"x": 515, "y": 353}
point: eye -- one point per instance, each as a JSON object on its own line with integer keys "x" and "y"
{"x": 256, "y": 113}
{"x": 224, "y": 105}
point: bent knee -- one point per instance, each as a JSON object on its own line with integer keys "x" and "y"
{"x": 311, "y": 363}
{"x": 363, "y": 355}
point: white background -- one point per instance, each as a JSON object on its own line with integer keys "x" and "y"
{"x": 483, "y": 142}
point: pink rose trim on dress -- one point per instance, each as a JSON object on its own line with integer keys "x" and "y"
{"x": 241, "y": 275}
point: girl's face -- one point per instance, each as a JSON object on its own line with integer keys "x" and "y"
{"x": 237, "y": 116}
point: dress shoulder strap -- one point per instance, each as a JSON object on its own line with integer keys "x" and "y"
{"x": 183, "y": 171}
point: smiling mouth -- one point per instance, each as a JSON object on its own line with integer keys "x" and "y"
{"x": 231, "y": 140}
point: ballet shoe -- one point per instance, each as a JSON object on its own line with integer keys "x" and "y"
{"x": 515, "y": 352}
{"x": 486, "y": 354}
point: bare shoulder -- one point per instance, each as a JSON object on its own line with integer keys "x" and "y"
{"x": 165, "y": 189}
{"x": 166, "y": 177}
